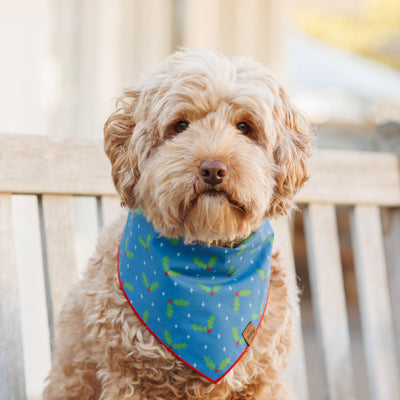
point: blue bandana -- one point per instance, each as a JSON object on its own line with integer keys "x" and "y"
{"x": 203, "y": 303}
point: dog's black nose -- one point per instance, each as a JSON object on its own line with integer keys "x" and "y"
{"x": 213, "y": 172}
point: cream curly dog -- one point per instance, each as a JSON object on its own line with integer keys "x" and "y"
{"x": 207, "y": 148}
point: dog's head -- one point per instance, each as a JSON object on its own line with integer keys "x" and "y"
{"x": 207, "y": 147}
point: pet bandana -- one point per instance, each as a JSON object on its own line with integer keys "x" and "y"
{"x": 203, "y": 303}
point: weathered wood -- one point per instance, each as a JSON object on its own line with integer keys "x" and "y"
{"x": 57, "y": 226}
{"x": 297, "y": 365}
{"x": 12, "y": 375}
{"x": 33, "y": 164}
{"x": 108, "y": 208}
{"x": 329, "y": 300}
{"x": 348, "y": 177}
{"x": 373, "y": 292}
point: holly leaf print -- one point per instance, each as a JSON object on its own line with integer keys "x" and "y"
{"x": 128, "y": 253}
{"x": 231, "y": 271}
{"x": 217, "y": 288}
{"x": 224, "y": 364}
{"x": 212, "y": 261}
{"x": 210, "y": 364}
{"x": 236, "y": 304}
{"x": 262, "y": 274}
{"x": 199, "y": 328}
{"x": 199, "y": 263}
{"x": 248, "y": 239}
{"x": 181, "y": 302}
{"x": 165, "y": 263}
{"x": 145, "y": 281}
{"x": 179, "y": 346}
{"x": 235, "y": 334}
{"x": 243, "y": 247}
{"x": 170, "y": 310}
{"x": 128, "y": 286}
{"x": 143, "y": 243}
{"x": 244, "y": 293}
{"x": 210, "y": 321}
{"x": 168, "y": 338}
{"x": 174, "y": 242}
{"x": 138, "y": 211}
{"x": 205, "y": 288}
{"x": 153, "y": 286}
{"x": 203, "y": 265}
{"x": 146, "y": 316}
{"x": 271, "y": 239}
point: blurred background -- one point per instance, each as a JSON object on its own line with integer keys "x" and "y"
{"x": 64, "y": 62}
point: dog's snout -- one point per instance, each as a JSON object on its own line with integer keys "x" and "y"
{"x": 213, "y": 172}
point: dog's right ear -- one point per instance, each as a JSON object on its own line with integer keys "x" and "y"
{"x": 118, "y": 146}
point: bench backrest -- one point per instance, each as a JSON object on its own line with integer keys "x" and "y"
{"x": 55, "y": 171}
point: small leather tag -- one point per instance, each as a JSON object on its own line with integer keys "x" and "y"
{"x": 249, "y": 333}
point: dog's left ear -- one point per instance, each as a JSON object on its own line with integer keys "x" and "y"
{"x": 120, "y": 149}
{"x": 291, "y": 153}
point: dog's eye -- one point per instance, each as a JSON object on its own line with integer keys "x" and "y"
{"x": 243, "y": 127}
{"x": 180, "y": 126}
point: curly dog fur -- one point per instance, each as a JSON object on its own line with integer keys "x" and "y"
{"x": 196, "y": 106}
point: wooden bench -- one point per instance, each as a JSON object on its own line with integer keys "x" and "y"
{"x": 56, "y": 171}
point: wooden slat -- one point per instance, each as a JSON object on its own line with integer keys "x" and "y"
{"x": 108, "y": 208}
{"x": 57, "y": 225}
{"x": 391, "y": 236}
{"x": 373, "y": 291}
{"x": 329, "y": 300}
{"x": 348, "y": 177}
{"x": 12, "y": 376}
{"x": 297, "y": 365}
{"x": 34, "y": 164}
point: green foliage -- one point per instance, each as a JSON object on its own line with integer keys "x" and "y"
{"x": 261, "y": 273}
{"x": 245, "y": 293}
{"x": 210, "y": 364}
{"x": 224, "y": 363}
{"x": 174, "y": 242}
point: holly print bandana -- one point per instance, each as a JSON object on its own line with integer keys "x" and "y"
{"x": 197, "y": 300}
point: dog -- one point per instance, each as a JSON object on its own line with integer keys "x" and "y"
{"x": 203, "y": 151}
